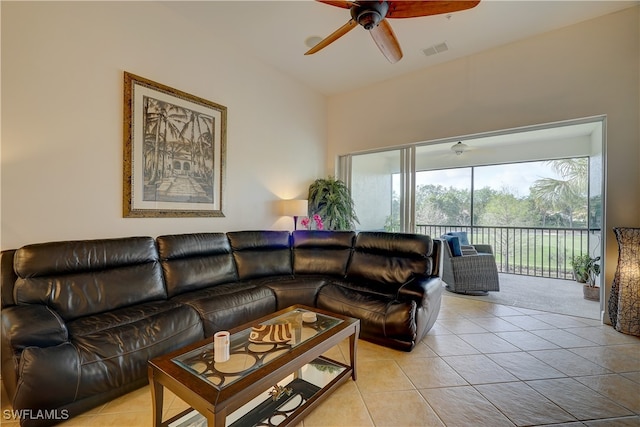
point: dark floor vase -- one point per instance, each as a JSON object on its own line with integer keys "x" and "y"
{"x": 592, "y": 293}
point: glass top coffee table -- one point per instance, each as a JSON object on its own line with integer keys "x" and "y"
{"x": 275, "y": 373}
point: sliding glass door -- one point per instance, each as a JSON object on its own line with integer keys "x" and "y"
{"x": 540, "y": 185}
{"x": 533, "y": 194}
{"x": 376, "y": 189}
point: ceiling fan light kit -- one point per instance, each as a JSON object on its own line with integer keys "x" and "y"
{"x": 459, "y": 148}
{"x": 373, "y": 15}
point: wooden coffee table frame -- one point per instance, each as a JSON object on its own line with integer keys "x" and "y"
{"x": 216, "y": 404}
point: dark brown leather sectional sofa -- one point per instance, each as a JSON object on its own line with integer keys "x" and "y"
{"x": 80, "y": 319}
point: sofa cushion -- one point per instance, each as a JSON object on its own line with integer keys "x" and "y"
{"x": 381, "y": 317}
{"x": 225, "y": 306}
{"x": 321, "y": 252}
{"x": 295, "y": 290}
{"x": 81, "y": 278}
{"x": 389, "y": 258}
{"x": 112, "y": 349}
{"x": 388, "y": 291}
{"x": 261, "y": 253}
{"x": 195, "y": 261}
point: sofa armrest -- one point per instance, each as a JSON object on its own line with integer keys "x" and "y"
{"x": 32, "y": 325}
{"x": 417, "y": 289}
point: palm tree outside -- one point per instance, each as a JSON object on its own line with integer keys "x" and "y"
{"x": 565, "y": 196}
{"x": 535, "y": 226}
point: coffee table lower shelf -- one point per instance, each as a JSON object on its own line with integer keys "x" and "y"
{"x": 300, "y": 393}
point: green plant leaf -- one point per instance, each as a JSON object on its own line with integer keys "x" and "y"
{"x": 330, "y": 198}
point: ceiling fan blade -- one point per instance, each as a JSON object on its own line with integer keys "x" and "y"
{"x": 387, "y": 42}
{"x": 342, "y": 4}
{"x": 412, "y": 9}
{"x": 333, "y": 37}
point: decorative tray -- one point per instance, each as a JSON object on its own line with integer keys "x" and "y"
{"x": 271, "y": 334}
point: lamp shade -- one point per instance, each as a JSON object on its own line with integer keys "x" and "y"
{"x": 294, "y": 207}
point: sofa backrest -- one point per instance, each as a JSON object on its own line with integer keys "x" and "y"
{"x": 390, "y": 258}
{"x": 8, "y": 278}
{"x": 261, "y": 253}
{"x": 195, "y": 261}
{"x": 322, "y": 252}
{"x": 79, "y": 278}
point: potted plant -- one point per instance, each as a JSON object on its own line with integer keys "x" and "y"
{"x": 580, "y": 265}
{"x": 330, "y": 199}
{"x": 586, "y": 270}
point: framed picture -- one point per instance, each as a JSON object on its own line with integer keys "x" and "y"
{"x": 174, "y": 152}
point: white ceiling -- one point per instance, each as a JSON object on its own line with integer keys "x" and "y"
{"x": 275, "y": 32}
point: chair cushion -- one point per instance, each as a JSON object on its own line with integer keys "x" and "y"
{"x": 468, "y": 250}
{"x": 461, "y": 235}
{"x": 454, "y": 244}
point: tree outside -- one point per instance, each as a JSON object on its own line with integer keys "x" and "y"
{"x": 557, "y": 200}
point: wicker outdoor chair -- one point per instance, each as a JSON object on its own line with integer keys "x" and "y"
{"x": 474, "y": 272}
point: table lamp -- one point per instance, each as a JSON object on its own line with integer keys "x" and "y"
{"x": 294, "y": 208}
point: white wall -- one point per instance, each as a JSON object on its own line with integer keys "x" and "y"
{"x": 584, "y": 70}
{"x": 62, "y": 115}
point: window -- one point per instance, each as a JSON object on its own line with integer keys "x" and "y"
{"x": 375, "y": 191}
{"x": 443, "y": 197}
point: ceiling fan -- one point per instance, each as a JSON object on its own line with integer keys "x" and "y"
{"x": 372, "y": 15}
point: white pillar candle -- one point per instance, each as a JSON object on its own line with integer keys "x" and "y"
{"x": 221, "y": 346}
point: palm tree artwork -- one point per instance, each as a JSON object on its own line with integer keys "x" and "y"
{"x": 178, "y": 153}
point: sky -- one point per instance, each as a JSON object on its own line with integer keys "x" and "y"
{"x": 517, "y": 177}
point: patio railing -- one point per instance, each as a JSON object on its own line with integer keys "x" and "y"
{"x": 530, "y": 251}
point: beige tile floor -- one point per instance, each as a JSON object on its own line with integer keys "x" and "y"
{"x": 483, "y": 364}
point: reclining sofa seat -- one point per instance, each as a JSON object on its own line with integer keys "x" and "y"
{"x": 319, "y": 257}
{"x": 80, "y": 319}
{"x": 392, "y": 285}
{"x": 88, "y": 315}
{"x": 202, "y": 271}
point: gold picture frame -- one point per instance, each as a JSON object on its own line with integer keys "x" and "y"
{"x": 174, "y": 152}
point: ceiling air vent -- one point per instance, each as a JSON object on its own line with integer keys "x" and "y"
{"x": 436, "y": 48}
